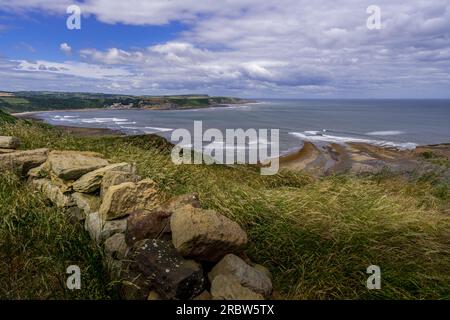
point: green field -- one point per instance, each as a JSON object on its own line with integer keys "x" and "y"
{"x": 317, "y": 236}
{"x": 40, "y": 101}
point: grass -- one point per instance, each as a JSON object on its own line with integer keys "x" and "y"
{"x": 317, "y": 236}
{"x": 37, "y": 244}
{"x": 6, "y": 118}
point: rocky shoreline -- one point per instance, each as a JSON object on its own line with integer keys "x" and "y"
{"x": 155, "y": 248}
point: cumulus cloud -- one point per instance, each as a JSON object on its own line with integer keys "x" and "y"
{"x": 64, "y": 47}
{"x": 252, "y": 47}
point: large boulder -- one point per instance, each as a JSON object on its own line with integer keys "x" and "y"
{"x": 114, "y": 178}
{"x": 9, "y": 142}
{"x": 228, "y": 287}
{"x": 128, "y": 197}
{"x": 156, "y": 224}
{"x": 172, "y": 276}
{"x": 91, "y": 182}
{"x": 205, "y": 234}
{"x": 255, "y": 279}
{"x": 21, "y": 162}
{"x": 71, "y": 165}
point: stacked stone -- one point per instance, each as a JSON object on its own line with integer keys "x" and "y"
{"x": 171, "y": 250}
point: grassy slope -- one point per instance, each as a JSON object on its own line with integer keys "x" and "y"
{"x": 316, "y": 236}
{"x": 37, "y": 244}
{"x": 6, "y": 118}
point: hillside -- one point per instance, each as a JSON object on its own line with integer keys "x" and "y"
{"x": 6, "y": 118}
{"x": 25, "y": 101}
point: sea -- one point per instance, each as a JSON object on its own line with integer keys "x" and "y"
{"x": 402, "y": 124}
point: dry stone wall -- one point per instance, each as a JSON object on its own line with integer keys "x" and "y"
{"x": 171, "y": 250}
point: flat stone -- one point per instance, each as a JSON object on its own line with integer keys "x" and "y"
{"x": 21, "y": 162}
{"x": 91, "y": 182}
{"x": 71, "y": 165}
{"x": 128, "y": 197}
{"x": 228, "y": 287}
{"x": 253, "y": 278}
{"x": 114, "y": 178}
{"x": 171, "y": 276}
{"x": 205, "y": 234}
{"x": 156, "y": 224}
{"x": 9, "y": 142}
{"x": 7, "y": 150}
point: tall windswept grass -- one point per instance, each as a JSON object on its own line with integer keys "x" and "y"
{"x": 317, "y": 236}
{"x": 37, "y": 244}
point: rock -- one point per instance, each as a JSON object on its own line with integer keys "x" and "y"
{"x": 116, "y": 247}
{"x": 113, "y": 178}
{"x": 86, "y": 202}
{"x": 75, "y": 214}
{"x": 9, "y": 142}
{"x": 205, "y": 295}
{"x": 180, "y": 201}
{"x": 134, "y": 284}
{"x": 171, "y": 276}
{"x": 228, "y": 287}
{"x": 71, "y": 165}
{"x": 21, "y": 162}
{"x": 253, "y": 278}
{"x": 156, "y": 224}
{"x": 7, "y": 150}
{"x": 64, "y": 185}
{"x": 153, "y": 295}
{"x": 93, "y": 225}
{"x": 92, "y": 181}
{"x": 112, "y": 227}
{"x": 38, "y": 172}
{"x": 128, "y": 197}
{"x": 53, "y": 193}
{"x": 205, "y": 234}
{"x": 143, "y": 224}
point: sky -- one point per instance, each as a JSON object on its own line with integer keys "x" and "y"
{"x": 243, "y": 48}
